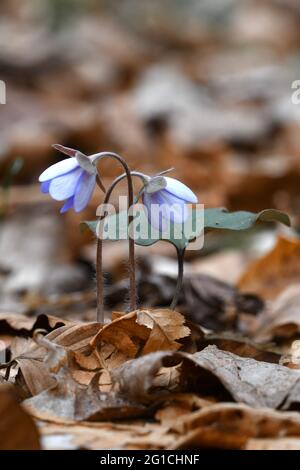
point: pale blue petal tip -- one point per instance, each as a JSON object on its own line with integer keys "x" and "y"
{"x": 59, "y": 169}
{"x": 180, "y": 190}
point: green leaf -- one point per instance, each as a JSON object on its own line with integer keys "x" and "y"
{"x": 220, "y": 218}
{"x": 180, "y": 235}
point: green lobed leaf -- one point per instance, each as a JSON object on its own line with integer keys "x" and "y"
{"x": 180, "y": 235}
{"x": 220, "y": 218}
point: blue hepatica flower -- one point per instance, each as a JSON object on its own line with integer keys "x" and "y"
{"x": 166, "y": 201}
{"x": 71, "y": 180}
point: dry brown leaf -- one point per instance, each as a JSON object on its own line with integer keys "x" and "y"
{"x": 16, "y": 324}
{"x": 210, "y": 438}
{"x": 143, "y": 331}
{"x": 281, "y": 320}
{"x": 231, "y": 425}
{"x": 276, "y": 270}
{"x": 124, "y": 333}
{"x": 93, "y": 405}
{"x": 179, "y": 405}
{"x": 167, "y": 378}
{"x": 38, "y": 360}
{"x": 33, "y": 376}
{"x": 83, "y": 377}
{"x": 242, "y": 346}
{"x": 75, "y": 337}
{"x": 17, "y": 429}
{"x": 221, "y": 426}
{"x": 135, "y": 378}
{"x": 67, "y": 401}
{"x": 212, "y": 372}
{"x": 255, "y": 383}
{"x": 166, "y": 326}
{"x": 50, "y": 323}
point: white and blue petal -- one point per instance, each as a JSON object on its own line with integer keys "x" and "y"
{"x": 164, "y": 208}
{"x": 172, "y": 207}
{"x": 180, "y": 190}
{"x": 64, "y": 186}
{"x": 84, "y": 191}
{"x": 154, "y": 212}
{"x": 67, "y": 205}
{"x": 59, "y": 169}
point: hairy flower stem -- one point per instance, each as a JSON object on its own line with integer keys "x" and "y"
{"x": 99, "y": 273}
{"x": 180, "y": 258}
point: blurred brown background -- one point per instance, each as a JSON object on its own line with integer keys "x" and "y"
{"x": 204, "y": 86}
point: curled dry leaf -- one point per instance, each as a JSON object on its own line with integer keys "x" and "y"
{"x": 124, "y": 333}
{"x": 144, "y": 331}
{"x": 276, "y": 270}
{"x": 256, "y": 383}
{"x": 212, "y": 372}
{"x": 17, "y": 429}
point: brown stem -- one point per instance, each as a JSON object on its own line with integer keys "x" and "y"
{"x": 99, "y": 283}
{"x": 99, "y": 274}
{"x": 180, "y": 258}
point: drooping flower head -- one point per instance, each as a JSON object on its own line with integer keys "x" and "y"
{"x": 71, "y": 180}
{"x": 166, "y": 201}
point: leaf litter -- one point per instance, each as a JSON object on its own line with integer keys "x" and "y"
{"x": 220, "y": 397}
{"x": 222, "y": 373}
